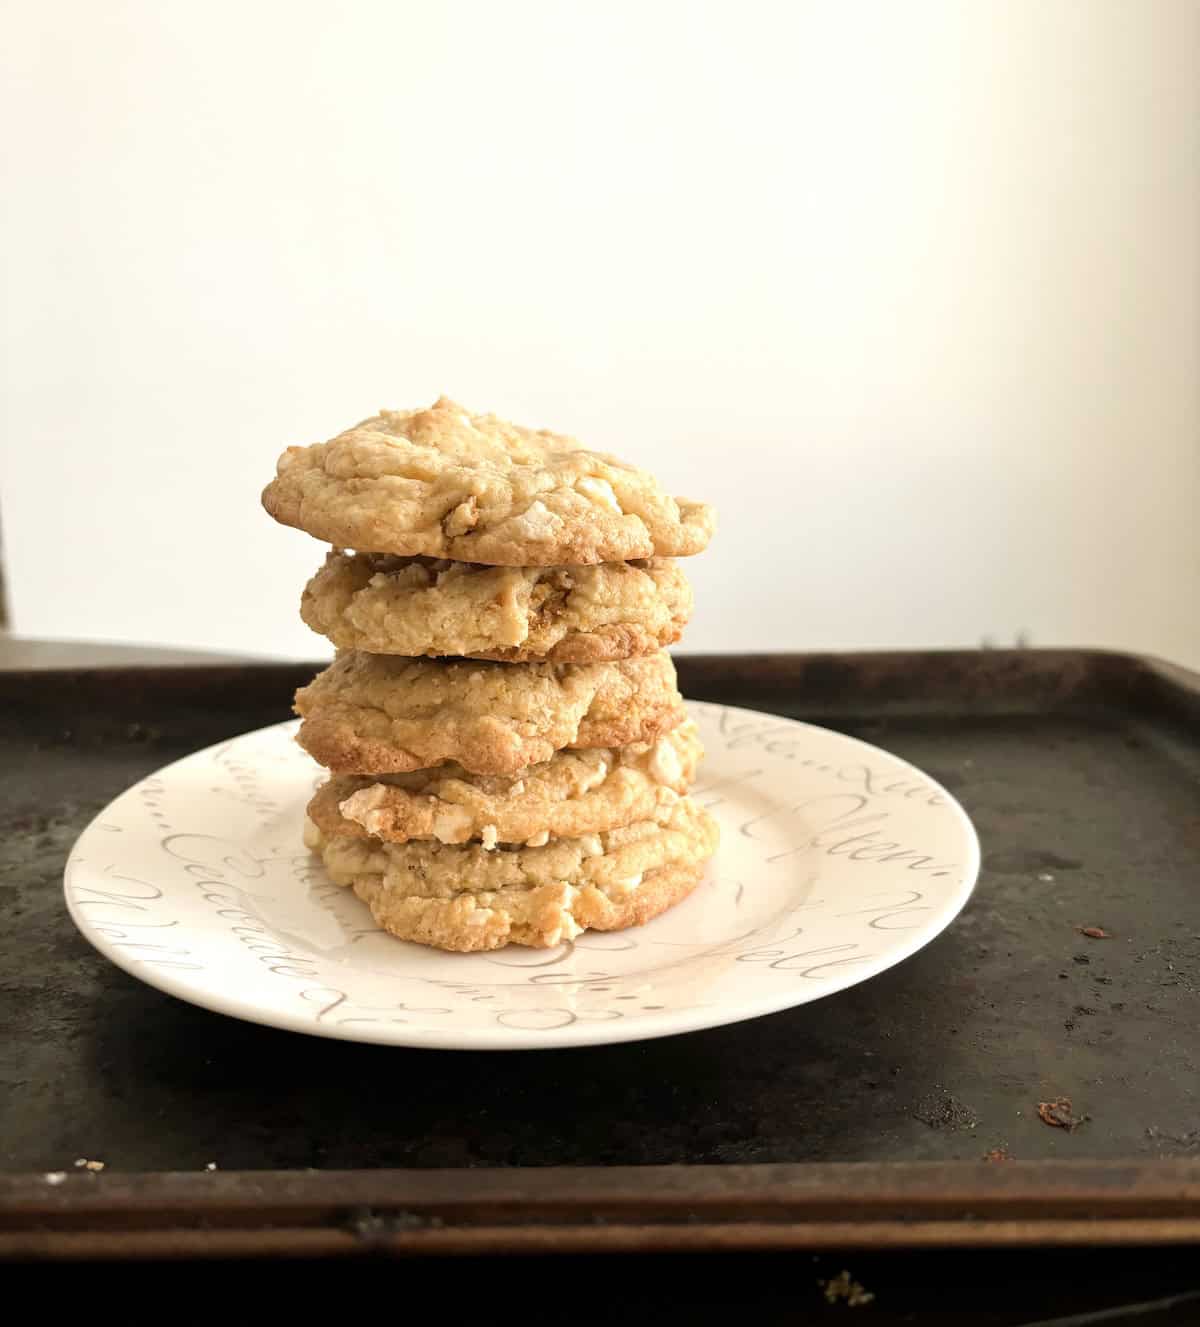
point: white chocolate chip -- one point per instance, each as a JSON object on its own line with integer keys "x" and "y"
{"x": 601, "y": 493}
{"x": 361, "y": 807}
{"x": 510, "y": 606}
{"x": 567, "y": 894}
{"x": 629, "y": 884}
{"x": 517, "y": 789}
{"x": 570, "y": 927}
{"x": 590, "y": 845}
{"x": 362, "y": 801}
{"x": 478, "y": 916}
{"x": 451, "y": 824}
{"x": 537, "y": 521}
{"x": 487, "y": 836}
{"x": 664, "y": 764}
{"x": 539, "y": 840}
{"x": 595, "y": 778}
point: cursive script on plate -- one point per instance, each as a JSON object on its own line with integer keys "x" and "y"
{"x": 124, "y": 895}
{"x": 219, "y": 869}
{"x": 846, "y": 825}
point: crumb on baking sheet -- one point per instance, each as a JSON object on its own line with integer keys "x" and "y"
{"x": 943, "y": 1110}
{"x": 55, "y": 1176}
{"x": 1094, "y": 932}
{"x": 1000, "y": 1153}
{"x": 843, "y": 1288}
{"x": 1059, "y": 1114}
{"x": 82, "y": 1163}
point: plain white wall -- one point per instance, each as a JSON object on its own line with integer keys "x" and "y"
{"x": 911, "y": 290}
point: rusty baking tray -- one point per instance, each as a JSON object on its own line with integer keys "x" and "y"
{"x": 864, "y": 1119}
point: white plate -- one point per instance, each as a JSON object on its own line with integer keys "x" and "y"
{"x": 837, "y": 860}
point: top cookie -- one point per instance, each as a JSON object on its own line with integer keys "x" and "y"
{"x": 443, "y": 483}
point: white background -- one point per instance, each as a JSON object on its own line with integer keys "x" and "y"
{"x": 911, "y": 290}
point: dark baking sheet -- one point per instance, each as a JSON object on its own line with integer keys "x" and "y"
{"x": 1081, "y": 772}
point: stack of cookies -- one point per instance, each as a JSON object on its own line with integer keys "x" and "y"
{"x": 508, "y": 752}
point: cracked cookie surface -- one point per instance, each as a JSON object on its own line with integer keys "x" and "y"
{"x": 422, "y": 606}
{"x": 467, "y": 897}
{"x": 444, "y": 483}
{"x": 386, "y": 714}
{"x": 573, "y": 793}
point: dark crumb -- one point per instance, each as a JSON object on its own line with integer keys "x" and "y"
{"x": 1059, "y": 1114}
{"x": 1094, "y": 932}
{"x": 1081, "y": 958}
{"x": 842, "y": 1287}
{"x": 940, "y": 1110}
{"x": 1000, "y": 1153}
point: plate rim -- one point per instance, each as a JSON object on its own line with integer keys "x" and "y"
{"x": 580, "y": 1033}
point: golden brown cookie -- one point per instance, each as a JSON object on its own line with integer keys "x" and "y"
{"x": 385, "y": 714}
{"x": 444, "y": 483}
{"x": 572, "y": 794}
{"x": 469, "y": 898}
{"x": 421, "y": 606}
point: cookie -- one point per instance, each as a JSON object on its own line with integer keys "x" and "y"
{"x": 571, "y": 794}
{"x": 469, "y": 898}
{"x": 443, "y": 483}
{"x": 384, "y": 714}
{"x": 419, "y": 606}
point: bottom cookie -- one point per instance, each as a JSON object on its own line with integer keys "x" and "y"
{"x": 466, "y": 898}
